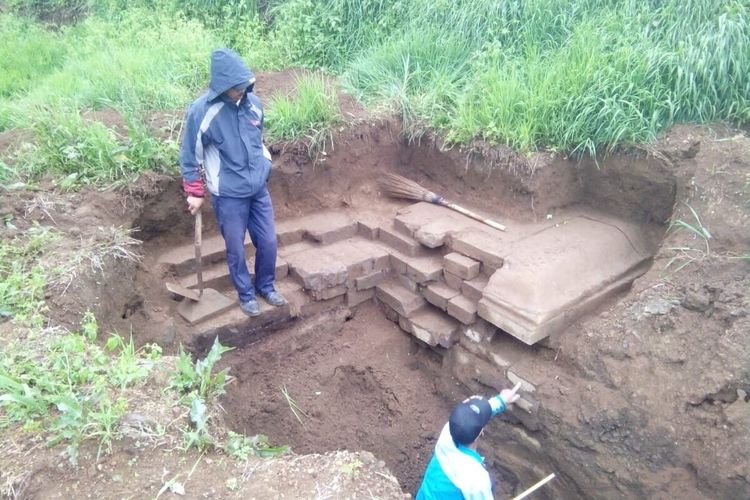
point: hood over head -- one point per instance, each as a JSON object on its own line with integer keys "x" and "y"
{"x": 228, "y": 70}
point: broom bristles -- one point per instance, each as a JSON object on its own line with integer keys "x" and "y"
{"x": 401, "y": 187}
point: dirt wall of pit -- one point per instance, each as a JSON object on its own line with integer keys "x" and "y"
{"x": 595, "y": 419}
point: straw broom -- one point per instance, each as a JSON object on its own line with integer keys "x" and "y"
{"x": 401, "y": 187}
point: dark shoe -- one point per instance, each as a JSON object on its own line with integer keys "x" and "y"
{"x": 251, "y": 307}
{"x": 274, "y": 298}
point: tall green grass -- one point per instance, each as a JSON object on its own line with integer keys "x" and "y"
{"x": 27, "y": 54}
{"x": 573, "y": 75}
{"x": 309, "y": 114}
{"x": 137, "y": 64}
{"x": 85, "y": 151}
{"x": 568, "y": 74}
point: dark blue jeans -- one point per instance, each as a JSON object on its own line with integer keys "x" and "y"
{"x": 235, "y": 217}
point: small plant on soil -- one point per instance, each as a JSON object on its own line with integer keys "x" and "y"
{"x": 196, "y": 379}
{"x": 22, "y": 278}
{"x": 72, "y": 390}
{"x": 199, "y": 387}
{"x": 241, "y": 446}
{"x": 296, "y": 409}
{"x": 686, "y": 255}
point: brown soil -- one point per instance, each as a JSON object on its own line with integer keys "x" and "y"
{"x": 647, "y": 398}
{"x": 360, "y": 382}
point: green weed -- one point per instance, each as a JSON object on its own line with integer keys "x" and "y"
{"x": 22, "y": 277}
{"x": 242, "y": 447}
{"x": 199, "y": 386}
{"x": 686, "y": 255}
{"x": 196, "y": 379}
{"x": 309, "y": 114}
{"x": 27, "y": 54}
{"x": 85, "y": 151}
{"x": 297, "y": 411}
{"x": 73, "y": 390}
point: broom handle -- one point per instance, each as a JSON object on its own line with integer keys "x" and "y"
{"x": 473, "y": 215}
{"x": 535, "y": 487}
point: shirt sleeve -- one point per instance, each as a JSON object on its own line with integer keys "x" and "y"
{"x": 497, "y": 403}
{"x": 191, "y": 160}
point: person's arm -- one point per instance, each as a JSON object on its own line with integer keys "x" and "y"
{"x": 191, "y": 162}
{"x": 506, "y": 397}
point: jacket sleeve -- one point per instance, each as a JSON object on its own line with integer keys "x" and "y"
{"x": 266, "y": 152}
{"x": 191, "y": 161}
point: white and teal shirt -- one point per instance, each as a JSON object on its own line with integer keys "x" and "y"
{"x": 455, "y": 472}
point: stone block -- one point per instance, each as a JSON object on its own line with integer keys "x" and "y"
{"x": 424, "y": 269}
{"x": 295, "y": 248}
{"x": 398, "y": 262}
{"x": 452, "y": 280}
{"x": 318, "y": 277}
{"x": 480, "y": 331}
{"x": 401, "y": 300}
{"x": 328, "y": 293}
{"x": 324, "y": 267}
{"x": 430, "y": 224}
{"x": 318, "y": 306}
{"x": 286, "y": 237}
{"x": 402, "y": 228}
{"x": 388, "y": 311}
{"x": 527, "y": 404}
{"x": 460, "y": 265}
{"x": 325, "y": 227}
{"x": 558, "y": 274}
{"x": 472, "y": 289}
{"x": 382, "y": 261}
{"x": 433, "y": 234}
{"x": 407, "y": 283}
{"x": 483, "y": 246}
{"x": 497, "y": 348}
{"x": 356, "y": 297}
{"x": 181, "y": 260}
{"x": 328, "y": 235}
{"x": 472, "y": 371}
{"x": 405, "y": 324}
{"x": 370, "y": 280}
{"x": 368, "y": 226}
{"x": 282, "y": 269}
{"x": 524, "y": 373}
{"x": 404, "y": 244}
{"x": 217, "y": 275}
{"x": 438, "y": 294}
{"x": 462, "y": 309}
{"x": 431, "y": 327}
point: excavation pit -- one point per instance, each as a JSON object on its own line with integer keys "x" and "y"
{"x": 398, "y": 309}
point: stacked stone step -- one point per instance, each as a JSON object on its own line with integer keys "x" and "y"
{"x": 430, "y": 294}
{"x": 342, "y": 273}
{"x": 304, "y": 233}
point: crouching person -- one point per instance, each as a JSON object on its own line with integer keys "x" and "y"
{"x": 456, "y": 470}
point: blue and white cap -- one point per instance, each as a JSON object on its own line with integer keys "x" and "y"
{"x": 468, "y": 419}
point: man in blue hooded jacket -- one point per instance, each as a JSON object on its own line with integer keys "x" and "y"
{"x": 223, "y": 145}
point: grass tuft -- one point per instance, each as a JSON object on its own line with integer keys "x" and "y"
{"x": 309, "y": 114}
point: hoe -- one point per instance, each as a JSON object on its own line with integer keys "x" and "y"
{"x": 202, "y": 303}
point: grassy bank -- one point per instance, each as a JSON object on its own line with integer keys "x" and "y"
{"x": 569, "y": 75}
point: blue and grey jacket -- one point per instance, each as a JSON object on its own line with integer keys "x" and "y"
{"x": 222, "y": 139}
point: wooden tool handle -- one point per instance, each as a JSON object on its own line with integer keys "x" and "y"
{"x": 535, "y": 487}
{"x": 474, "y": 216}
{"x": 198, "y": 255}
